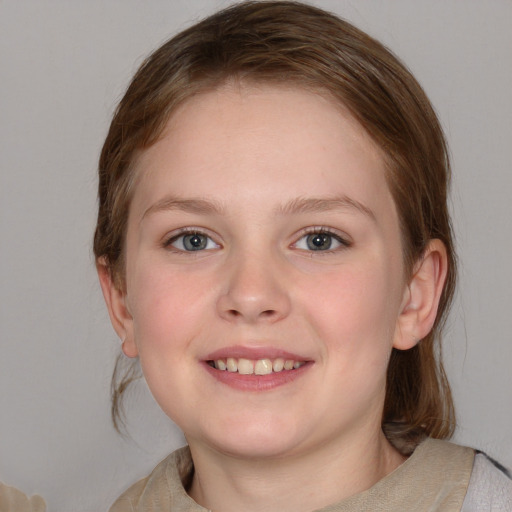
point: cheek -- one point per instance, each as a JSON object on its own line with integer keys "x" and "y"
{"x": 168, "y": 307}
{"x": 358, "y": 321}
{"x": 169, "y": 314}
{"x": 355, "y": 309}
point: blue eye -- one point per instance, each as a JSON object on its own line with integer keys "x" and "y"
{"x": 192, "y": 242}
{"x": 320, "y": 241}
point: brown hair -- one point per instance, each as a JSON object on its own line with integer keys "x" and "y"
{"x": 294, "y": 43}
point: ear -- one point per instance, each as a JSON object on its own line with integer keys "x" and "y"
{"x": 120, "y": 316}
{"x": 421, "y": 297}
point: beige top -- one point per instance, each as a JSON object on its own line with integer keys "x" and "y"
{"x": 434, "y": 478}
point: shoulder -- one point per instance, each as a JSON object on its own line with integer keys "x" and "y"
{"x": 435, "y": 455}
{"x": 163, "y": 489}
{"x": 438, "y": 449}
{"x": 490, "y": 487}
{"x": 133, "y": 498}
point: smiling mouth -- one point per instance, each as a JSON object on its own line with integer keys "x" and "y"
{"x": 255, "y": 367}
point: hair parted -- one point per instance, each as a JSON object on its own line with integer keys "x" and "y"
{"x": 300, "y": 45}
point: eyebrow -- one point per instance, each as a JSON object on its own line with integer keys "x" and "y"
{"x": 315, "y": 205}
{"x": 199, "y": 206}
{"x": 295, "y": 206}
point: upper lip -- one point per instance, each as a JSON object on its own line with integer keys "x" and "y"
{"x": 254, "y": 353}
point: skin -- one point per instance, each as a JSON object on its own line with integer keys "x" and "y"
{"x": 269, "y": 165}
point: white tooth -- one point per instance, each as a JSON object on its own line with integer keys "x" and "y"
{"x": 297, "y": 364}
{"x": 278, "y": 365}
{"x": 288, "y": 365}
{"x": 263, "y": 367}
{"x": 245, "y": 366}
{"x": 231, "y": 364}
{"x": 220, "y": 364}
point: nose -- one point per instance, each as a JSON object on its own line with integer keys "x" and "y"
{"x": 255, "y": 291}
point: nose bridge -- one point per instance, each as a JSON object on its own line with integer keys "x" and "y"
{"x": 255, "y": 288}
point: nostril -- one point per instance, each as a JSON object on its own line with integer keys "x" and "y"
{"x": 265, "y": 303}
{"x": 267, "y": 313}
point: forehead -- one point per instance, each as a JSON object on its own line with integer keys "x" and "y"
{"x": 239, "y": 141}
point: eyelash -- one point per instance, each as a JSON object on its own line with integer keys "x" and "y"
{"x": 183, "y": 232}
{"x": 317, "y": 230}
{"x": 322, "y": 230}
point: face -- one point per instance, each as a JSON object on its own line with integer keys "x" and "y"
{"x": 264, "y": 277}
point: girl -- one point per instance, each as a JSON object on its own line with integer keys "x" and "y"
{"x": 274, "y": 247}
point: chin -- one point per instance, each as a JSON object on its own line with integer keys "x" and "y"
{"x": 255, "y": 440}
{"x": 257, "y": 448}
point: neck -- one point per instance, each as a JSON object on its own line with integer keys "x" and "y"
{"x": 300, "y": 483}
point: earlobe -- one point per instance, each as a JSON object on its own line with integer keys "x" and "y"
{"x": 421, "y": 298}
{"x": 120, "y": 316}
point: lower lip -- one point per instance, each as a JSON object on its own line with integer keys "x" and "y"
{"x": 257, "y": 382}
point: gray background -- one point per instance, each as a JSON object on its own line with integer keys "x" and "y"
{"x": 63, "y": 67}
